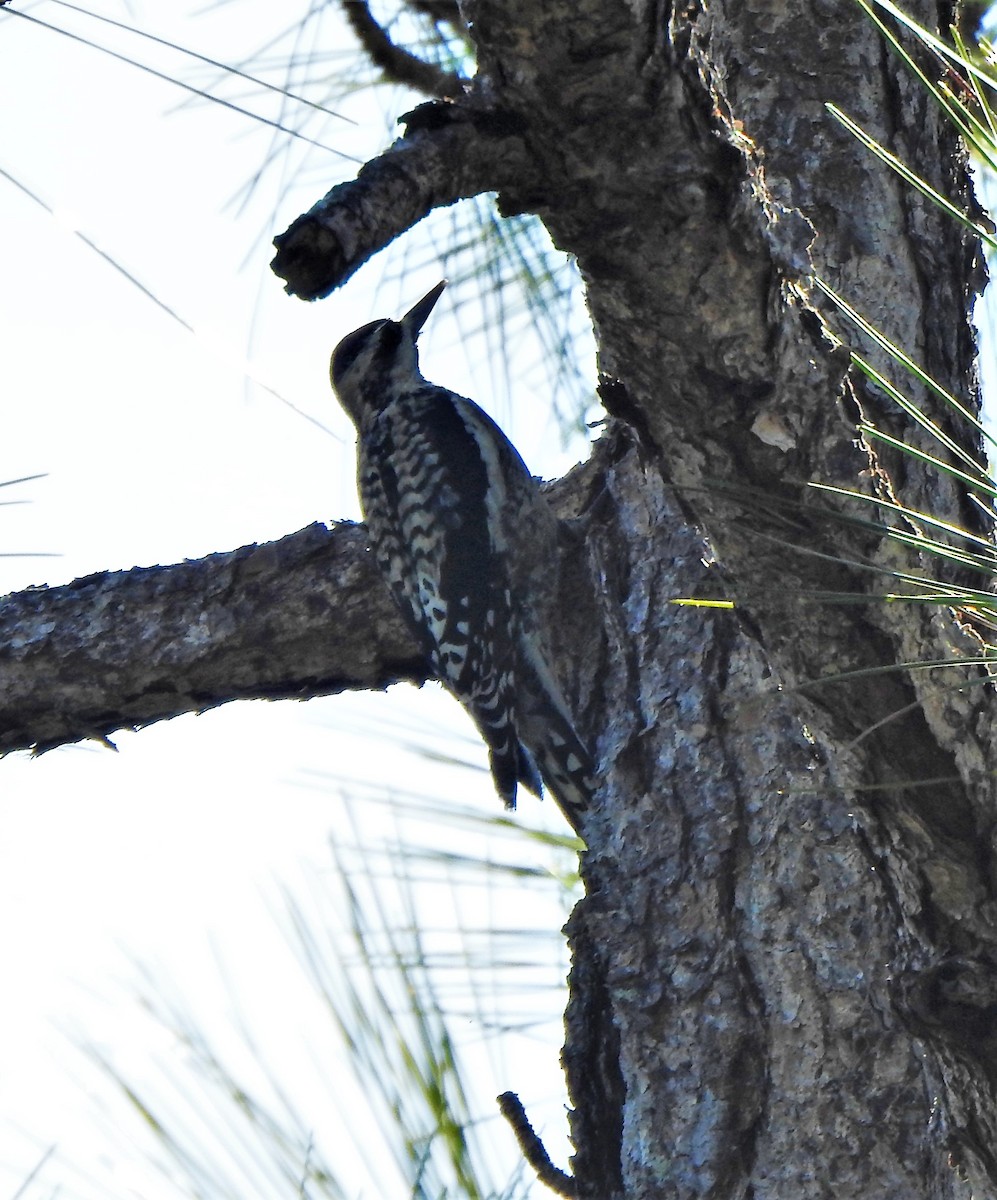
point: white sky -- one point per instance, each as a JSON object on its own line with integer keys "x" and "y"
{"x": 170, "y": 855}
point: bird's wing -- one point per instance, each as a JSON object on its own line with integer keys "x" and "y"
{"x": 431, "y": 484}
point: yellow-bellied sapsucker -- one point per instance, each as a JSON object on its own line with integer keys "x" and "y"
{"x": 468, "y": 546}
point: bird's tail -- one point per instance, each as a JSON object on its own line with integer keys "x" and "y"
{"x": 492, "y": 709}
{"x": 547, "y": 728}
{"x": 512, "y": 764}
{"x": 567, "y": 769}
{"x": 531, "y": 737}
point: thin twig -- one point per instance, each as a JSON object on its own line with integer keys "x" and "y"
{"x": 398, "y": 64}
{"x": 533, "y": 1150}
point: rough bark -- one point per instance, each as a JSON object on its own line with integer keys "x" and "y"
{"x": 782, "y": 882}
{"x": 785, "y": 966}
{"x": 305, "y": 616}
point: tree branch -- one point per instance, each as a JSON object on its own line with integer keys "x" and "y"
{"x": 398, "y": 64}
{"x": 534, "y": 1151}
{"x": 304, "y": 616}
{"x": 308, "y": 615}
{"x": 439, "y": 10}
{"x": 450, "y": 151}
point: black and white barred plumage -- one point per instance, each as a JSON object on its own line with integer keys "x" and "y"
{"x": 468, "y": 546}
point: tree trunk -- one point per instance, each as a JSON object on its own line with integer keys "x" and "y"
{"x": 785, "y": 965}
{"x": 784, "y": 976}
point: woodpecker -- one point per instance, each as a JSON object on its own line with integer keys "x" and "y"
{"x": 468, "y": 546}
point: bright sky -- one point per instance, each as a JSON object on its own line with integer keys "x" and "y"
{"x": 170, "y": 857}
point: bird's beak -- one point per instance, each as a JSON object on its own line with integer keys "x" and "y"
{"x": 416, "y": 316}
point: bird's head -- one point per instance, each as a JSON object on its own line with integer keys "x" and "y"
{"x": 373, "y": 363}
